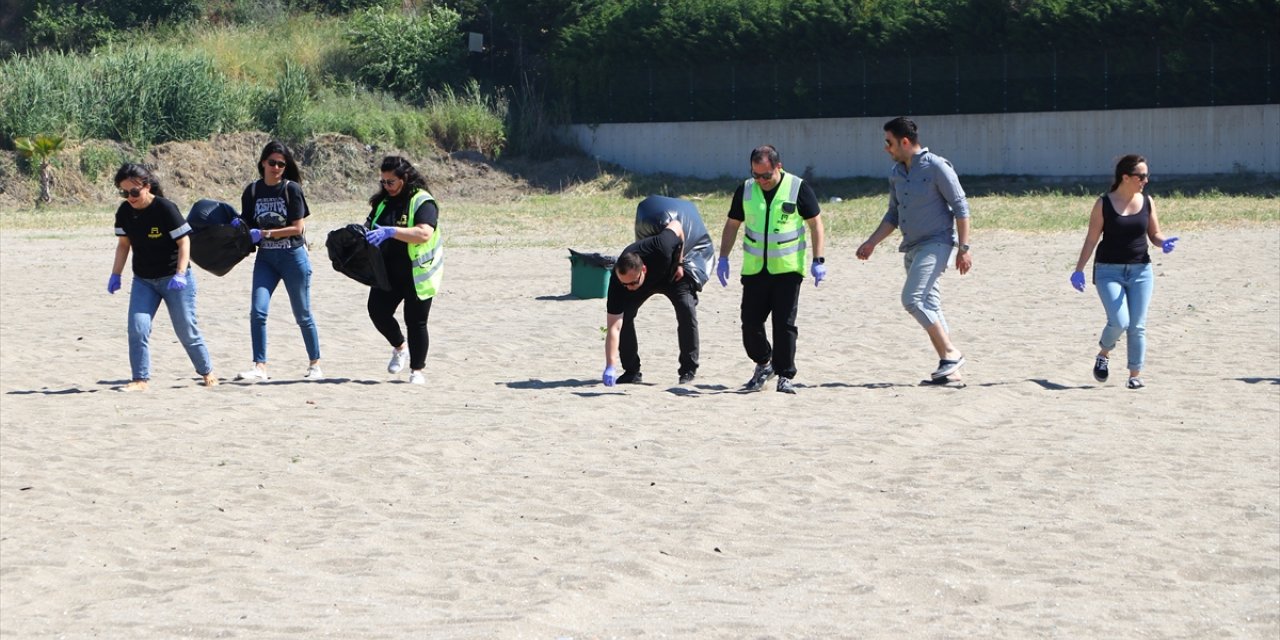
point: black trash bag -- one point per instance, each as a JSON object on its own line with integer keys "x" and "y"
{"x": 355, "y": 258}
{"x": 592, "y": 259}
{"x": 655, "y": 212}
{"x": 216, "y": 246}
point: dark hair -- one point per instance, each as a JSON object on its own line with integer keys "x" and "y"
{"x": 628, "y": 263}
{"x": 403, "y": 170}
{"x": 901, "y": 127}
{"x": 291, "y": 171}
{"x": 1124, "y": 167}
{"x": 765, "y": 152}
{"x": 140, "y": 173}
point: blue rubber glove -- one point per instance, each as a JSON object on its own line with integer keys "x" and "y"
{"x": 237, "y": 223}
{"x": 722, "y": 271}
{"x": 1168, "y": 247}
{"x": 610, "y": 376}
{"x": 818, "y": 271}
{"x": 255, "y": 235}
{"x": 113, "y": 283}
{"x": 1077, "y": 280}
{"x": 380, "y": 235}
{"x": 178, "y": 282}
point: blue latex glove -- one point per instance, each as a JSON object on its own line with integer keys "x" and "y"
{"x": 818, "y": 271}
{"x": 237, "y": 222}
{"x": 1168, "y": 247}
{"x": 610, "y": 376}
{"x": 255, "y": 235}
{"x": 380, "y": 235}
{"x": 113, "y": 283}
{"x": 1077, "y": 280}
{"x": 178, "y": 282}
{"x": 722, "y": 271}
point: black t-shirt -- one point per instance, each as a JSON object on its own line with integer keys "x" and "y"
{"x": 807, "y": 201}
{"x": 276, "y": 206}
{"x": 395, "y": 253}
{"x": 153, "y": 236}
{"x": 660, "y": 255}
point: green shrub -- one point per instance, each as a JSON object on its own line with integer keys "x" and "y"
{"x": 67, "y": 27}
{"x": 406, "y": 53}
{"x": 468, "y": 121}
{"x": 372, "y": 118}
{"x": 96, "y": 158}
{"x": 285, "y": 108}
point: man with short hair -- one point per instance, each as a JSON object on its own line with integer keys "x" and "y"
{"x": 776, "y": 207}
{"x": 927, "y": 203}
{"x": 649, "y": 266}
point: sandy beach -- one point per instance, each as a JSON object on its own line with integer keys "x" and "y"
{"x": 516, "y": 497}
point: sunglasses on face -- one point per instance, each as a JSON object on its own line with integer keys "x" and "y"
{"x": 279, "y": 164}
{"x": 762, "y": 176}
{"x": 632, "y": 284}
{"x": 131, "y": 193}
{"x": 388, "y": 183}
{"x": 1141, "y": 176}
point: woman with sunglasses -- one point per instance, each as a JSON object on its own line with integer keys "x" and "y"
{"x": 404, "y": 222}
{"x": 150, "y": 226}
{"x": 274, "y": 208}
{"x": 1122, "y": 222}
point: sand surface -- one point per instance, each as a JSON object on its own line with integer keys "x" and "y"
{"x": 516, "y": 497}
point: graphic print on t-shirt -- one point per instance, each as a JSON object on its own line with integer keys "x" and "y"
{"x": 154, "y": 233}
{"x": 270, "y": 213}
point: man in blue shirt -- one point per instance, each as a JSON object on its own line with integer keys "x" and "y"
{"x": 927, "y": 203}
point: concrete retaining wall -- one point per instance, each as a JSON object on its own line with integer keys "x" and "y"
{"x": 1197, "y": 140}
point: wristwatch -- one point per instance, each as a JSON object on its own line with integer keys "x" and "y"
{"x": 964, "y": 248}
{"x": 819, "y": 260}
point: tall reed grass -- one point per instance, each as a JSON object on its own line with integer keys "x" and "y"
{"x": 137, "y": 94}
{"x": 470, "y": 120}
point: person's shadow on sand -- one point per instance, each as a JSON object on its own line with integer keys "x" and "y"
{"x": 535, "y": 383}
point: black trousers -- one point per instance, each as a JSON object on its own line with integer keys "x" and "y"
{"x": 382, "y": 311}
{"x": 684, "y": 297}
{"x": 765, "y": 294}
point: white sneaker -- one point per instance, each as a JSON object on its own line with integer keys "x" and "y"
{"x": 252, "y": 375}
{"x": 314, "y": 373}
{"x": 417, "y": 377}
{"x": 399, "y": 358}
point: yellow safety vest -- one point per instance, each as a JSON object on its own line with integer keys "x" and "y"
{"x": 426, "y": 258}
{"x": 775, "y": 234}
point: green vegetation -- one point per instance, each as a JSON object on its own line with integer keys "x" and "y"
{"x": 41, "y": 149}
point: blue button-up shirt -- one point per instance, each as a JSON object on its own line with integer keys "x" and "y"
{"x": 925, "y": 201}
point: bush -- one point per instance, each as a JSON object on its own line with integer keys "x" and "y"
{"x": 96, "y": 158}
{"x": 406, "y": 53}
{"x": 469, "y": 121}
{"x": 67, "y": 27}
{"x": 141, "y": 95}
{"x": 286, "y": 107}
{"x": 372, "y": 118}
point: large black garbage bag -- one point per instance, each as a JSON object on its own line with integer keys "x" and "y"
{"x": 592, "y": 259}
{"x": 355, "y": 258}
{"x": 216, "y": 246}
{"x": 653, "y": 214}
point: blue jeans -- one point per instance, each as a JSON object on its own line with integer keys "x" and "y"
{"x": 145, "y": 296}
{"x": 292, "y": 266}
{"x": 921, "y": 296}
{"x": 1125, "y": 290}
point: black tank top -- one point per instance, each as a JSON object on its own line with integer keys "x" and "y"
{"x": 1124, "y": 238}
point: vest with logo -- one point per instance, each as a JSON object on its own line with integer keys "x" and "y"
{"x": 774, "y": 234}
{"x": 426, "y": 258}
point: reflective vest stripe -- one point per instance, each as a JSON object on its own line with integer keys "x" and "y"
{"x": 427, "y": 257}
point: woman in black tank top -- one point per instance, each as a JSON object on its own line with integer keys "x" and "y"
{"x": 1123, "y": 221}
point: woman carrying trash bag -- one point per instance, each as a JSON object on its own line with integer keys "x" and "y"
{"x": 274, "y": 208}
{"x": 150, "y": 226}
{"x": 403, "y": 223}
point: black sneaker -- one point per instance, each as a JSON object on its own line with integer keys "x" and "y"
{"x": 686, "y": 377}
{"x": 1100, "y": 372}
{"x": 630, "y": 377}
{"x": 785, "y": 385}
{"x": 761, "y": 375}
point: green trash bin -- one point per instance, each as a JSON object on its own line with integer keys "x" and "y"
{"x": 589, "y": 274}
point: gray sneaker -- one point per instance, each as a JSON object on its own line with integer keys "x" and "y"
{"x": 785, "y": 385}
{"x": 761, "y": 375}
